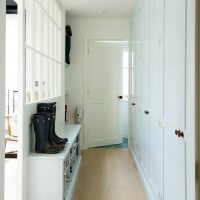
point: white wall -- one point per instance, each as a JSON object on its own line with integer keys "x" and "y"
{"x": 12, "y": 51}
{"x": 2, "y": 94}
{"x": 83, "y": 28}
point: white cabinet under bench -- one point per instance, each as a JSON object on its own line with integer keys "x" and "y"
{"x": 53, "y": 176}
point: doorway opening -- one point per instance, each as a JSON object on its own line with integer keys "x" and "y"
{"x": 106, "y": 94}
{"x": 12, "y": 103}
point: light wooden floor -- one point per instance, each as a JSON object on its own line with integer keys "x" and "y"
{"x": 108, "y": 174}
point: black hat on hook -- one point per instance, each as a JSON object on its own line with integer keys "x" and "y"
{"x": 11, "y": 7}
{"x": 68, "y": 34}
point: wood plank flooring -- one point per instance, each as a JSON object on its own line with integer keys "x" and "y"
{"x": 108, "y": 174}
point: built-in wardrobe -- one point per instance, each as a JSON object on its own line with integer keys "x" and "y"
{"x": 158, "y": 104}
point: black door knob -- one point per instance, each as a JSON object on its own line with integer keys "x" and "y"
{"x": 120, "y": 97}
{"x": 146, "y": 112}
{"x": 179, "y": 133}
{"x": 133, "y": 104}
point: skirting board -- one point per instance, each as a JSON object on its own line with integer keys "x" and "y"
{"x": 149, "y": 191}
{"x": 76, "y": 173}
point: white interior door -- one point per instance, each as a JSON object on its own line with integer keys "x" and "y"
{"x": 2, "y": 95}
{"x": 103, "y": 89}
{"x": 174, "y": 100}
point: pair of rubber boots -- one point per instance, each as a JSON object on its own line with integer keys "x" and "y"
{"x": 47, "y": 141}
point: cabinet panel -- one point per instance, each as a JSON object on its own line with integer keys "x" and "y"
{"x": 175, "y": 53}
{"x": 156, "y": 56}
{"x": 144, "y": 138}
{"x": 174, "y": 168}
{"x": 159, "y": 86}
{"x": 156, "y": 154}
{"x": 137, "y": 73}
{"x": 174, "y": 99}
{"x": 156, "y": 94}
{"x": 137, "y": 129}
{"x": 144, "y": 55}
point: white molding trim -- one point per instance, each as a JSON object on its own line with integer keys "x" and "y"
{"x": 146, "y": 184}
{"x": 21, "y": 145}
{"x": 2, "y": 93}
{"x": 191, "y": 95}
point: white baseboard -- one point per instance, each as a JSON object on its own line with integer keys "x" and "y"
{"x": 145, "y": 182}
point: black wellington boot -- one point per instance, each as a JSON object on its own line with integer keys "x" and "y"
{"x": 54, "y": 141}
{"x": 51, "y": 108}
{"x": 41, "y": 124}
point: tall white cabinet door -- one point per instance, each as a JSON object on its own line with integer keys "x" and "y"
{"x": 144, "y": 55}
{"x": 156, "y": 94}
{"x": 144, "y": 104}
{"x": 144, "y": 144}
{"x": 137, "y": 72}
{"x": 174, "y": 99}
{"x": 137, "y": 130}
{"x": 156, "y": 57}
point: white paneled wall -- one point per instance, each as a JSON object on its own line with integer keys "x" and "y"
{"x": 159, "y": 96}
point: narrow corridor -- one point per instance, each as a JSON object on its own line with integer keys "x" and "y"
{"x": 108, "y": 174}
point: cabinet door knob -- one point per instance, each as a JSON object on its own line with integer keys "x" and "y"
{"x": 133, "y": 104}
{"x": 146, "y": 112}
{"x": 181, "y": 134}
{"x": 177, "y": 132}
{"x": 120, "y": 97}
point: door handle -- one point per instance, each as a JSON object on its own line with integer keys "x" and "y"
{"x": 179, "y": 133}
{"x": 146, "y": 112}
{"x": 120, "y": 97}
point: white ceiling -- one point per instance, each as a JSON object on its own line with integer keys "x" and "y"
{"x": 98, "y": 8}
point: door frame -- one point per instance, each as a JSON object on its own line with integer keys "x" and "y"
{"x": 197, "y": 136}
{"x": 2, "y": 93}
{"x": 86, "y": 46}
{"x": 22, "y": 69}
{"x": 191, "y": 98}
